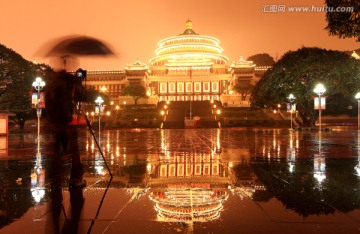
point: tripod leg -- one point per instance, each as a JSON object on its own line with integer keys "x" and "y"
{"x": 97, "y": 143}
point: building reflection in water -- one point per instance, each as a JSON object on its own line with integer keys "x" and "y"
{"x": 189, "y": 174}
{"x": 190, "y": 186}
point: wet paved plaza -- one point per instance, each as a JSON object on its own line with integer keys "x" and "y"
{"x": 188, "y": 181}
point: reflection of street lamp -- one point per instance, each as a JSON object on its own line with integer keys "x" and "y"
{"x": 38, "y": 84}
{"x": 124, "y": 104}
{"x": 92, "y": 115}
{"x": 291, "y": 99}
{"x": 357, "y": 96}
{"x": 319, "y": 90}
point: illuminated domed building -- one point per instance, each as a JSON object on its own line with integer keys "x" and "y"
{"x": 188, "y": 66}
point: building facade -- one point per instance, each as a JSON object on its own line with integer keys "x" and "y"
{"x": 188, "y": 66}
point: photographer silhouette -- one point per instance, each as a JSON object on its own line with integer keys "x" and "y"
{"x": 62, "y": 95}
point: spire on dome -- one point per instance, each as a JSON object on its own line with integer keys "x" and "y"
{"x": 188, "y": 24}
{"x": 188, "y": 29}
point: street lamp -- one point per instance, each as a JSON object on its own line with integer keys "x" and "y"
{"x": 218, "y": 112}
{"x": 319, "y": 90}
{"x": 291, "y": 99}
{"x": 38, "y": 84}
{"x": 148, "y": 93}
{"x": 357, "y": 96}
{"x": 99, "y": 101}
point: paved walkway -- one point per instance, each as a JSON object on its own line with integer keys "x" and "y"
{"x": 187, "y": 181}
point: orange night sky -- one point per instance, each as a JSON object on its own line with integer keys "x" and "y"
{"x": 134, "y": 27}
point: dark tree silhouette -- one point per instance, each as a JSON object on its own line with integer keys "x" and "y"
{"x": 262, "y": 59}
{"x": 135, "y": 91}
{"x": 16, "y": 77}
{"x": 299, "y": 71}
{"x": 343, "y": 22}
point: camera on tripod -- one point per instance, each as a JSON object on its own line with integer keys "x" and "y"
{"x": 81, "y": 74}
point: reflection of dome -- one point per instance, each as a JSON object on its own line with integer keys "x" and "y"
{"x": 189, "y": 49}
{"x": 188, "y": 204}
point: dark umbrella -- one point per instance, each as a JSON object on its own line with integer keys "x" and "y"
{"x": 70, "y": 47}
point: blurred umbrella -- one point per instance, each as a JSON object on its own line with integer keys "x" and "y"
{"x": 71, "y": 47}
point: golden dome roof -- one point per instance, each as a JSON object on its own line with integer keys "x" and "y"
{"x": 187, "y": 48}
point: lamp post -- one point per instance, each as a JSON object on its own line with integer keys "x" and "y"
{"x": 291, "y": 99}
{"x": 319, "y": 90}
{"x": 38, "y": 84}
{"x": 357, "y": 96}
{"x": 99, "y": 101}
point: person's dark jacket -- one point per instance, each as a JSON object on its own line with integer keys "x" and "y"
{"x": 59, "y": 101}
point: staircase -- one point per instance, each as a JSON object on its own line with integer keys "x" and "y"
{"x": 177, "y": 110}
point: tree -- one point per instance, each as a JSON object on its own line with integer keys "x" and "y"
{"x": 343, "y": 17}
{"x": 243, "y": 89}
{"x": 262, "y": 59}
{"x": 16, "y": 77}
{"x": 135, "y": 91}
{"x": 299, "y": 71}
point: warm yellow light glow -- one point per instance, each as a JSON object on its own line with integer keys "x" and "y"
{"x": 103, "y": 89}
{"x": 189, "y": 47}
{"x": 319, "y": 89}
{"x": 204, "y": 50}
{"x": 99, "y": 100}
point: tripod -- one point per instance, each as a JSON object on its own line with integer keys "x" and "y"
{"x": 98, "y": 145}
{"x": 111, "y": 177}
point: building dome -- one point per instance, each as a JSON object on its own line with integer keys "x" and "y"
{"x": 188, "y": 49}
